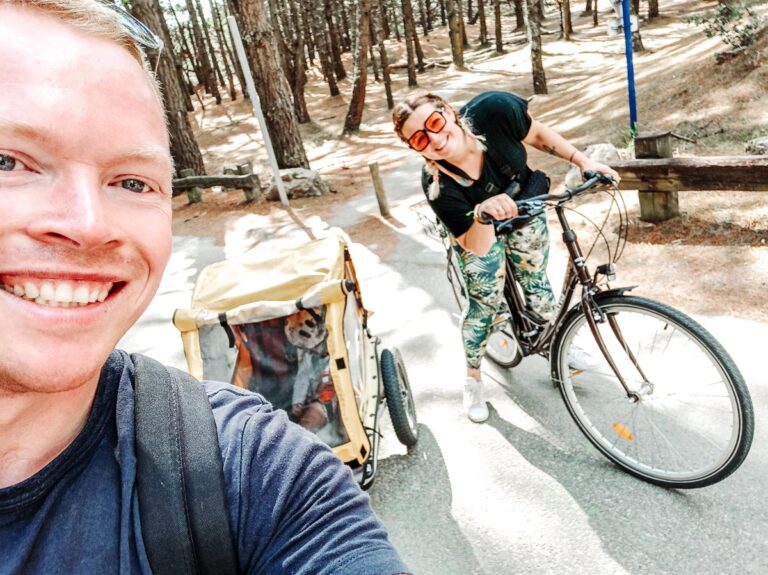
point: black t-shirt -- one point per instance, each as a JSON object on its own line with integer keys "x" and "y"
{"x": 504, "y": 121}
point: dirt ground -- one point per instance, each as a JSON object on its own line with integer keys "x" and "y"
{"x": 719, "y": 241}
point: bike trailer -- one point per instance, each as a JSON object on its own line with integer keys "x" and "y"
{"x": 292, "y": 327}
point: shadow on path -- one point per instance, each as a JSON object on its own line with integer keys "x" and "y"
{"x": 412, "y": 495}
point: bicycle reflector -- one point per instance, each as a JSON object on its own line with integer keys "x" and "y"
{"x": 623, "y": 432}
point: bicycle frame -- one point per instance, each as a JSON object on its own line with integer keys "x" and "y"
{"x": 534, "y": 338}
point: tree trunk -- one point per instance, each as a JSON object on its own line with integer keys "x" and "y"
{"x": 534, "y": 40}
{"x": 320, "y": 35}
{"x": 587, "y": 8}
{"x": 289, "y": 41}
{"x": 497, "y": 26}
{"x": 271, "y": 86}
{"x": 443, "y": 13}
{"x": 333, "y": 34}
{"x": 567, "y": 23}
{"x": 299, "y": 63}
{"x": 186, "y": 50}
{"x": 452, "y": 8}
{"x": 184, "y": 149}
{"x": 383, "y": 18}
{"x": 428, "y": 10}
{"x": 391, "y": 6}
{"x": 225, "y": 52}
{"x": 519, "y": 14}
{"x": 409, "y": 33}
{"x": 377, "y": 13}
{"x": 464, "y": 39}
{"x": 483, "y": 24}
{"x": 209, "y": 44}
{"x": 653, "y": 9}
{"x": 202, "y": 53}
{"x": 306, "y": 20}
{"x": 374, "y": 64}
{"x": 345, "y": 26}
{"x": 360, "y": 74}
{"x": 423, "y": 18}
{"x": 409, "y": 23}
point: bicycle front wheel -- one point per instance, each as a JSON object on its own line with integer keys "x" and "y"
{"x": 689, "y": 420}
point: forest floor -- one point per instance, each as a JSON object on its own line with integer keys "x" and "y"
{"x": 721, "y": 238}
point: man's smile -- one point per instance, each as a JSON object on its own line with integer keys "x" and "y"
{"x": 57, "y": 292}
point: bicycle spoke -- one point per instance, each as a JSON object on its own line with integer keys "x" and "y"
{"x": 683, "y": 429}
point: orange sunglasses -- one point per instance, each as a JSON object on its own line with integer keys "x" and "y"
{"x": 434, "y": 123}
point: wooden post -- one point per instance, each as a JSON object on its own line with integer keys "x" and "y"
{"x": 378, "y": 186}
{"x": 250, "y": 193}
{"x": 656, "y": 206}
{"x": 194, "y": 195}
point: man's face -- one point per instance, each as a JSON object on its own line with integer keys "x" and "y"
{"x": 85, "y": 200}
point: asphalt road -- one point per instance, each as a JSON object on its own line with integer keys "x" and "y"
{"x": 524, "y": 492}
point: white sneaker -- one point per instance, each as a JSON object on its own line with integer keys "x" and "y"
{"x": 474, "y": 402}
{"x": 580, "y": 360}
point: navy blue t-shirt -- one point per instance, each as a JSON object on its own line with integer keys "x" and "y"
{"x": 294, "y": 507}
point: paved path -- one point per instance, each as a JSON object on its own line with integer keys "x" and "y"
{"x": 523, "y": 493}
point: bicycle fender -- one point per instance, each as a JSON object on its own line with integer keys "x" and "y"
{"x": 613, "y": 292}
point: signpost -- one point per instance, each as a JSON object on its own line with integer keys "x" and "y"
{"x": 257, "y": 108}
{"x": 621, "y": 7}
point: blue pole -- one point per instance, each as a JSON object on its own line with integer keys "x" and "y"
{"x": 630, "y": 69}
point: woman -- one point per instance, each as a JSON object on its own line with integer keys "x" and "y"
{"x": 471, "y": 159}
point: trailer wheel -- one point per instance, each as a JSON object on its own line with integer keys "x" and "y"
{"x": 397, "y": 391}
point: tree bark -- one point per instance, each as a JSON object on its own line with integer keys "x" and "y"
{"x": 224, "y": 49}
{"x": 184, "y": 148}
{"x": 534, "y": 40}
{"x": 320, "y": 34}
{"x": 443, "y": 13}
{"x": 464, "y": 38}
{"x": 567, "y": 20}
{"x": 452, "y": 8}
{"x": 335, "y": 42}
{"x": 360, "y": 74}
{"x": 412, "y": 38}
{"x": 409, "y": 53}
{"x": 519, "y": 14}
{"x": 377, "y": 13}
{"x": 423, "y": 18}
{"x": 291, "y": 48}
{"x": 391, "y": 6}
{"x": 202, "y": 53}
{"x": 345, "y": 26}
{"x": 653, "y": 8}
{"x": 483, "y": 24}
{"x": 209, "y": 44}
{"x": 271, "y": 86}
{"x": 497, "y": 26}
{"x": 187, "y": 51}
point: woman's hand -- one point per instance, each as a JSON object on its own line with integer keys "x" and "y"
{"x": 589, "y": 165}
{"x": 499, "y": 207}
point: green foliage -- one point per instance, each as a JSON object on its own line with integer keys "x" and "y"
{"x": 736, "y": 24}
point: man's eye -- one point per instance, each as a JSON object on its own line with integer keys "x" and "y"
{"x": 134, "y": 185}
{"x": 8, "y": 163}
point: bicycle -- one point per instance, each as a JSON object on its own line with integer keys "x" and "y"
{"x": 648, "y": 386}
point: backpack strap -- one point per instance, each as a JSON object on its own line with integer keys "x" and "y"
{"x": 179, "y": 475}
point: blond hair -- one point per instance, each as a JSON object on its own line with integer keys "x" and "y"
{"x": 403, "y": 110}
{"x": 95, "y": 19}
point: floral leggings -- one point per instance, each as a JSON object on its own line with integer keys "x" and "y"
{"x": 528, "y": 248}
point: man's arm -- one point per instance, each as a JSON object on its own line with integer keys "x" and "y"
{"x": 295, "y": 508}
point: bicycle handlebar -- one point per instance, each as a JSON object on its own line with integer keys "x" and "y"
{"x": 534, "y": 206}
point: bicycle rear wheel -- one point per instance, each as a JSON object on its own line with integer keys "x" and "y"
{"x": 502, "y": 347}
{"x": 692, "y": 423}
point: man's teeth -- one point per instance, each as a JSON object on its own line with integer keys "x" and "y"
{"x": 60, "y": 294}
